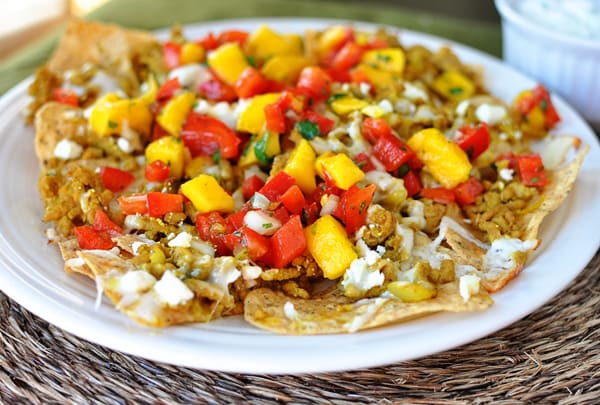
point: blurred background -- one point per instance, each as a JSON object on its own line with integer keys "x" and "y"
{"x": 22, "y": 22}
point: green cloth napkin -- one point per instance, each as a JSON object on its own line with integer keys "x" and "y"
{"x": 153, "y": 14}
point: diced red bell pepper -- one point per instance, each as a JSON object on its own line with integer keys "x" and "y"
{"x": 375, "y": 128}
{"x": 233, "y": 241}
{"x": 251, "y": 83}
{"x": 294, "y": 99}
{"x": 171, "y": 55}
{"x": 102, "y": 223}
{"x": 325, "y": 124}
{"x": 133, "y": 204}
{"x": 209, "y": 42}
{"x": 236, "y": 220}
{"x": 322, "y": 189}
{"x": 545, "y": 102}
{"x": 466, "y": 193}
{"x": 392, "y": 152}
{"x": 160, "y": 204}
{"x": 256, "y": 244}
{"x": 213, "y": 227}
{"x": 354, "y": 204}
{"x": 531, "y": 170}
{"x": 316, "y": 82}
{"x": 287, "y": 243}
{"x": 412, "y": 183}
{"x": 167, "y": 90}
{"x": 377, "y": 43}
{"x": 340, "y": 76}
{"x": 65, "y": 96}
{"x": 474, "y": 140}
{"x": 251, "y": 185}
{"x": 158, "y": 131}
{"x": 275, "y": 118}
{"x": 157, "y": 171}
{"x": 204, "y": 135}
{"x": 115, "y": 179}
{"x": 88, "y": 238}
{"x": 348, "y": 56}
{"x": 415, "y": 164}
{"x": 310, "y": 213}
{"x": 217, "y": 90}
{"x": 277, "y": 185}
{"x": 359, "y": 76}
{"x": 281, "y": 214}
{"x": 233, "y": 36}
{"x": 439, "y": 194}
{"x": 293, "y": 200}
{"x": 364, "y": 162}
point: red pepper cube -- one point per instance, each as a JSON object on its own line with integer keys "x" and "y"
{"x": 171, "y": 55}
{"x": 355, "y": 203}
{"x": 213, "y": 227}
{"x": 257, "y": 245}
{"x": 412, "y": 183}
{"x": 277, "y": 185}
{"x": 466, "y": 193}
{"x": 102, "y": 223}
{"x": 133, "y": 204}
{"x": 392, "y": 152}
{"x": 439, "y": 194}
{"x": 310, "y": 213}
{"x": 251, "y": 83}
{"x": 157, "y": 171}
{"x": 287, "y": 243}
{"x": 160, "y": 204}
{"x": 364, "y": 162}
{"x": 293, "y": 200}
{"x": 375, "y": 128}
{"x": 236, "y": 220}
{"x": 531, "y": 170}
{"x": 167, "y": 90}
{"x": 325, "y": 124}
{"x": 251, "y": 185}
{"x": 88, "y": 238}
{"x": 65, "y": 96}
{"x": 316, "y": 82}
{"x": 348, "y": 56}
{"x": 216, "y": 90}
{"x": 204, "y": 135}
{"x": 114, "y": 179}
{"x": 275, "y": 118}
{"x": 473, "y": 140}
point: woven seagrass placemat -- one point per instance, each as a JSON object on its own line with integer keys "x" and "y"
{"x": 553, "y": 355}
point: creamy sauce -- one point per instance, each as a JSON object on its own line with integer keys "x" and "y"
{"x": 577, "y": 18}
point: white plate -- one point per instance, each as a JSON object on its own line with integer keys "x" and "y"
{"x": 32, "y": 271}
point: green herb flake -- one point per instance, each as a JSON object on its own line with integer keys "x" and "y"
{"x": 260, "y": 149}
{"x": 544, "y": 105}
{"x": 403, "y": 170}
{"x": 535, "y": 179}
{"x": 313, "y": 229}
{"x": 455, "y": 91}
{"x": 267, "y": 225}
{"x": 383, "y": 57}
{"x": 308, "y": 130}
{"x": 251, "y": 61}
{"x": 216, "y": 157}
{"x": 363, "y": 205}
{"x": 335, "y": 96}
{"x": 112, "y": 124}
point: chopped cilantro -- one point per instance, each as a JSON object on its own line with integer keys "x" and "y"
{"x": 251, "y": 61}
{"x": 267, "y": 225}
{"x": 403, "y": 170}
{"x": 308, "y": 130}
{"x": 363, "y": 205}
{"x": 383, "y": 57}
{"x": 313, "y": 229}
{"x": 112, "y": 124}
{"x": 544, "y": 105}
{"x": 260, "y": 149}
{"x": 334, "y": 97}
{"x": 455, "y": 91}
{"x": 216, "y": 157}
{"x": 535, "y": 179}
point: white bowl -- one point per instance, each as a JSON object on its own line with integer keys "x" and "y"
{"x": 565, "y": 64}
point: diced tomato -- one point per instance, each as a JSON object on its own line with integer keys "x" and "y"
{"x": 545, "y": 102}
{"x": 354, "y": 204}
{"x": 213, "y": 227}
{"x": 377, "y": 43}
{"x": 316, "y": 82}
{"x": 364, "y": 162}
{"x": 281, "y": 214}
{"x": 236, "y": 220}
{"x": 233, "y": 241}
{"x": 256, "y": 244}
{"x": 158, "y": 131}
{"x": 204, "y": 135}
{"x": 466, "y": 193}
{"x": 102, "y": 223}
{"x": 287, "y": 243}
{"x": 88, "y": 238}
{"x": 275, "y": 118}
{"x": 473, "y": 140}
{"x": 277, "y": 185}
{"x": 438, "y": 194}
{"x": 65, "y": 96}
{"x": 310, "y": 213}
{"x": 359, "y": 76}
{"x": 217, "y": 90}
{"x": 347, "y": 37}
{"x": 294, "y": 99}
{"x": 293, "y": 200}
{"x": 251, "y": 83}
{"x": 392, "y": 152}
{"x": 160, "y": 204}
{"x": 167, "y": 90}
{"x": 415, "y": 164}
{"x": 375, "y": 128}
{"x": 325, "y": 124}
{"x": 233, "y": 36}
{"x": 133, "y": 204}
{"x": 157, "y": 171}
{"x": 348, "y": 56}
{"x": 531, "y": 170}
{"x": 115, "y": 179}
{"x": 322, "y": 189}
{"x": 209, "y": 42}
{"x": 171, "y": 55}
{"x": 251, "y": 185}
{"x": 412, "y": 183}
{"x": 340, "y": 76}
{"x": 511, "y": 157}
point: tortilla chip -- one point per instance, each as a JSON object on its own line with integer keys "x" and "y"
{"x": 336, "y": 313}
{"x": 73, "y": 263}
{"x": 125, "y": 242}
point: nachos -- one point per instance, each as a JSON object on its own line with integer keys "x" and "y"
{"x": 319, "y": 183}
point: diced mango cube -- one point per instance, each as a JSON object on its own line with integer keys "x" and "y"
{"x": 454, "y": 85}
{"x": 319, "y": 162}
{"x": 330, "y": 38}
{"x": 373, "y": 111}
{"x": 110, "y": 113}
{"x": 444, "y": 159}
{"x": 301, "y": 166}
{"x": 228, "y": 62}
{"x": 342, "y": 170}
{"x": 387, "y": 59}
{"x": 169, "y": 150}
{"x": 207, "y": 195}
{"x": 284, "y": 68}
{"x": 412, "y": 292}
{"x": 174, "y": 113}
{"x": 378, "y": 78}
{"x": 328, "y": 243}
{"x": 261, "y": 149}
{"x": 191, "y": 52}
{"x": 346, "y": 105}
{"x": 252, "y": 119}
{"x": 265, "y": 43}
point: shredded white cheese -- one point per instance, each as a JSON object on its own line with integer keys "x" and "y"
{"x": 67, "y": 149}
{"x": 172, "y": 291}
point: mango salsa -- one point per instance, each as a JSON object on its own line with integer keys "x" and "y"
{"x": 169, "y": 150}
{"x": 284, "y": 68}
{"x": 342, "y": 170}
{"x": 207, "y": 195}
{"x": 265, "y": 43}
{"x": 173, "y": 114}
{"x": 387, "y": 59}
{"x": 454, "y": 86}
{"x": 228, "y": 62}
{"x": 301, "y": 167}
{"x": 252, "y": 119}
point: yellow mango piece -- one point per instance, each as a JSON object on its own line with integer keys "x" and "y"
{"x": 330, "y": 38}
{"x": 174, "y": 113}
{"x": 346, "y": 105}
{"x": 387, "y": 59}
{"x": 110, "y": 112}
{"x": 328, "y": 243}
{"x": 378, "y": 78}
{"x": 344, "y": 172}
{"x": 265, "y": 43}
{"x": 228, "y": 62}
{"x": 191, "y": 52}
{"x": 373, "y": 111}
{"x": 261, "y": 150}
{"x": 169, "y": 150}
{"x": 301, "y": 166}
{"x": 454, "y": 86}
{"x": 412, "y": 292}
{"x": 252, "y": 119}
{"x": 319, "y": 162}
{"x": 284, "y": 68}
{"x": 207, "y": 195}
{"x": 444, "y": 159}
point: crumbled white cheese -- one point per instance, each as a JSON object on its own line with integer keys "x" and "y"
{"x": 361, "y": 276}
{"x": 172, "y": 291}
{"x": 448, "y": 223}
{"x": 228, "y": 113}
{"x": 135, "y": 247}
{"x": 183, "y": 239}
{"x": 380, "y": 249}
{"x": 365, "y": 89}
{"x": 416, "y": 214}
{"x": 461, "y": 108}
{"x": 224, "y": 272}
{"x": 67, "y": 149}
{"x": 105, "y": 83}
{"x": 124, "y": 145}
{"x": 500, "y": 256}
{"x": 191, "y": 75}
{"x": 51, "y": 234}
{"x": 261, "y": 222}
{"x": 468, "y": 285}
{"x": 135, "y": 282}
{"x": 289, "y": 311}
{"x": 251, "y": 272}
{"x": 386, "y": 106}
{"x": 413, "y": 92}
{"x": 492, "y": 114}
{"x": 506, "y": 174}
{"x": 203, "y": 247}
{"x": 259, "y": 201}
